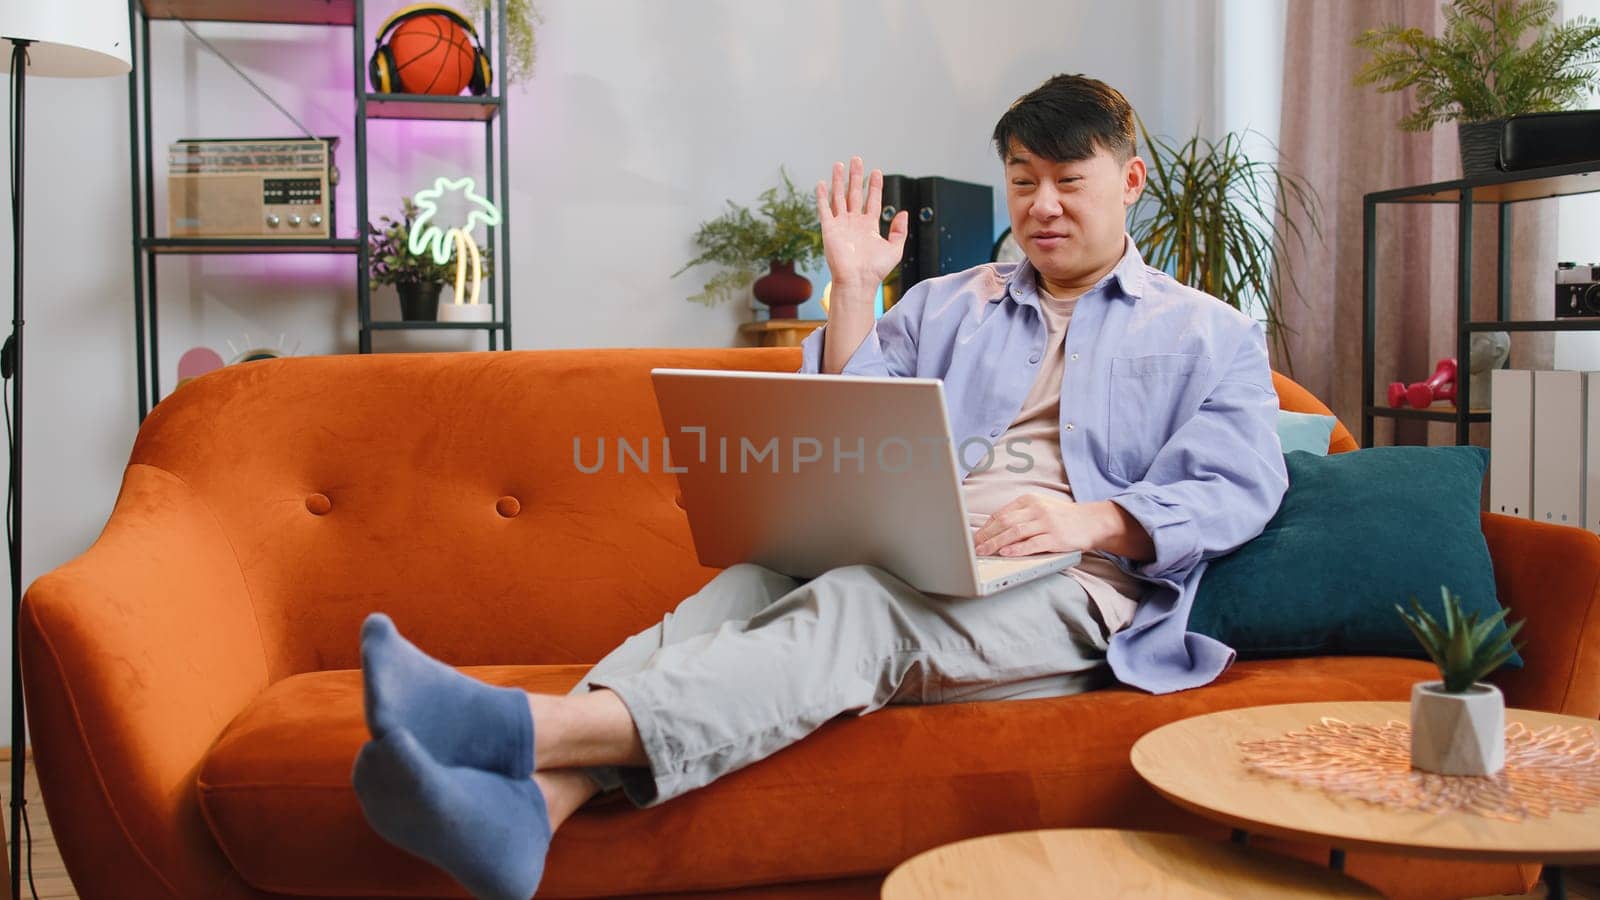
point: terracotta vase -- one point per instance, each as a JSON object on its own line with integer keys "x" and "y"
{"x": 1458, "y": 734}
{"x": 783, "y": 290}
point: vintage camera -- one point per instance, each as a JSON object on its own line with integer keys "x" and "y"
{"x": 1577, "y": 290}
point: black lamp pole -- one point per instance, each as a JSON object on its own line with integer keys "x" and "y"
{"x": 11, "y": 370}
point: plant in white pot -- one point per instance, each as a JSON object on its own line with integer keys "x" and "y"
{"x": 1458, "y": 723}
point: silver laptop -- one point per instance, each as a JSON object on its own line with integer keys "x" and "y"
{"x": 806, "y": 473}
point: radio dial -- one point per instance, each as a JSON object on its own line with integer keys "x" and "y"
{"x": 272, "y": 220}
{"x": 294, "y": 220}
{"x": 316, "y": 219}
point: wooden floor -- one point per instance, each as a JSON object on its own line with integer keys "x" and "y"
{"x": 51, "y": 881}
{"x": 49, "y": 875}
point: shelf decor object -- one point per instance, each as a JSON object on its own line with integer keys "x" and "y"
{"x": 1503, "y": 189}
{"x": 488, "y": 110}
{"x": 416, "y": 277}
{"x": 65, "y": 39}
{"x": 426, "y": 48}
{"x": 427, "y": 238}
{"x": 1485, "y": 68}
{"x": 522, "y": 37}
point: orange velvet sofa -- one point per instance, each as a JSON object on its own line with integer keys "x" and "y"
{"x": 195, "y": 703}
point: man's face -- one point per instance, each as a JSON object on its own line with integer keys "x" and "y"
{"x": 1070, "y": 217}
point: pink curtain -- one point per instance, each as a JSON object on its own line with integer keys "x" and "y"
{"x": 1344, "y": 141}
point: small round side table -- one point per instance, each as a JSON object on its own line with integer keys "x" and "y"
{"x": 1197, "y": 764}
{"x": 1091, "y": 863}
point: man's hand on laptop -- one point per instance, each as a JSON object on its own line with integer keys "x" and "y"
{"x": 1044, "y": 523}
{"x": 859, "y": 257}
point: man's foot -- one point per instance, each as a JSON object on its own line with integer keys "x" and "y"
{"x": 490, "y": 832}
{"x": 459, "y": 720}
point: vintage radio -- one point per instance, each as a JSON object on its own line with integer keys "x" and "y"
{"x": 266, "y": 188}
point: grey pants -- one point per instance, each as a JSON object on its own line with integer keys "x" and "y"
{"x": 755, "y": 661}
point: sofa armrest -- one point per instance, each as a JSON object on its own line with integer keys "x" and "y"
{"x": 1549, "y": 575}
{"x": 135, "y": 656}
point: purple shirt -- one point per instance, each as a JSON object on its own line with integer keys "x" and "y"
{"x": 1167, "y": 408}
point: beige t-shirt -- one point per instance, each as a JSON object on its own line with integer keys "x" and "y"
{"x": 1035, "y": 435}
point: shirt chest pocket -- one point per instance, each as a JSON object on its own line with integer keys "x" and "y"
{"x": 1144, "y": 409}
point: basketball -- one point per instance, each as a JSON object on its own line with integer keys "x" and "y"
{"x": 432, "y": 55}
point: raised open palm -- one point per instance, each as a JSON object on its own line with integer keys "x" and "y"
{"x": 858, "y": 255}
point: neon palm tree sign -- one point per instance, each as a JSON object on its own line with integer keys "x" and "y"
{"x": 456, "y": 241}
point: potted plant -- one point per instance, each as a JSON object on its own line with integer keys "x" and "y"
{"x": 1484, "y": 68}
{"x": 522, "y": 46}
{"x": 1458, "y": 723}
{"x": 416, "y": 276}
{"x": 1216, "y": 219}
{"x": 785, "y": 236}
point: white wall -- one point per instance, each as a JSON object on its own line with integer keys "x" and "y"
{"x": 642, "y": 118}
{"x": 1577, "y": 236}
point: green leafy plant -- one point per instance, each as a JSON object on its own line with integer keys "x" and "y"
{"x": 1216, "y": 219}
{"x": 1461, "y": 647}
{"x": 744, "y": 245}
{"x": 390, "y": 260}
{"x": 522, "y": 43}
{"x": 1485, "y": 65}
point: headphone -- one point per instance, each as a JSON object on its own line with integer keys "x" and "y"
{"x": 382, "y": 71}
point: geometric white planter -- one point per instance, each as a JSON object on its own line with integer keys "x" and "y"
{"x": 450, "y": 311}
{"x": 1458, "y": 734}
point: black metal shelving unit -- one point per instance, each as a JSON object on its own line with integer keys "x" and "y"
{"x": 148, "y": 248}
{"x": 1503, "y": 189}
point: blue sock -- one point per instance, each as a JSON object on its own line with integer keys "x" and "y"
{"x": 490, "y": 832}
{"x": 459, "y": 720}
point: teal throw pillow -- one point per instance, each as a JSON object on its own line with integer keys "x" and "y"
{"x": 1357, "y": 533}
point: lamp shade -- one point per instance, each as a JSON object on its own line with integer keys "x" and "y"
{"x": 72, "y": 38}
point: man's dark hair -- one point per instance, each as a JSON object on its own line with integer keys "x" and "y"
{"x": 1066, "y": 119}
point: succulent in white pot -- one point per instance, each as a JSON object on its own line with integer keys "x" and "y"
{"x": 1458, "y": 724}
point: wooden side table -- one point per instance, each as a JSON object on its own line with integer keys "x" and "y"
{"x": 1197, "y": 764}
{"x": 780, "y": 332}
{"x": 1092, "y": 863}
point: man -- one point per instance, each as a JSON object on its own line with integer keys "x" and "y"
{"x": 1148, "y": 427}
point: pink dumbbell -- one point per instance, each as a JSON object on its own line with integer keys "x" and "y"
{"x": 1441, "y": 385}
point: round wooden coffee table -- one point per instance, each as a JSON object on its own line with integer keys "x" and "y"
{"x": 1197, "y": 764}
{"x": 1091, "y": 863}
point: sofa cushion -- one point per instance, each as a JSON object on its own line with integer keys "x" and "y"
{"x": 1305, "y": 431}
{"x": 1357, "y": 534}
{"x": 857, "y": 797}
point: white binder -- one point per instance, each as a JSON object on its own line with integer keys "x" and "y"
{"x": 1511, "y": 442}
{"x": 1591, "y": 444}
{"x": 1558, "y": 453}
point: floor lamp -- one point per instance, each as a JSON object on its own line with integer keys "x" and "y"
{"x": 56, "y": 38}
